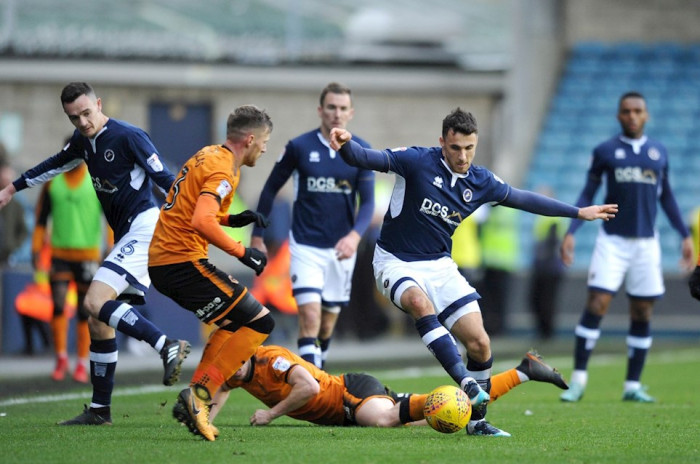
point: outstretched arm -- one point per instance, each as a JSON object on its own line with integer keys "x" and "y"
{"x": 541, "y": 204}
{"x": 355, "y": 154}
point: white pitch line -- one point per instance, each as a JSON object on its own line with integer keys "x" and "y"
{"x": 126, "y": 391}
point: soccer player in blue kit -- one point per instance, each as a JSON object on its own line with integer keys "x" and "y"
{"x": 327, "y": 222}
{"x": 636, "y": 171}
{"x": 122, "y": 162}
{"x": 435, "y": 189}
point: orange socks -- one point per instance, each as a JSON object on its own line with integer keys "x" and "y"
{"x": 502, "y": 383}
{"x": 59, "y": 330}
{"x": 83, "y": 342}
{"x": 223, "y": 355}
{"x": 416, "y": 403}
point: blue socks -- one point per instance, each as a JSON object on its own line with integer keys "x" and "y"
{"x": 587, "y": 334}
{"x": 309, "y": 350}
{"x": 440, "y": 342}
{"x": 103, "y": 363}
{"x": 638, "y": 344}
{"x": 127, "y": 319}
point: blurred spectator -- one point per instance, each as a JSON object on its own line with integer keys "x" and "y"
{"x": 547, "y": 272}
{"x": 273, "y": 288}
{"x": 501, "y": 250}
{"x": 366, "y": 315}
{"x": 75, "y": 234}
{"x": 13, "y": 232}
{"x": 466, "y": 248}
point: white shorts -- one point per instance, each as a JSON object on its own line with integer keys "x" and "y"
{"x": 318, "y": 276}
{"x": 126, "y": 267}
{"x": 447, "y": 289}
{"x": 639, "y": 259}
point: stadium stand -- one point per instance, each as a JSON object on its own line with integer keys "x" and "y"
{"x": 582, "y": 114}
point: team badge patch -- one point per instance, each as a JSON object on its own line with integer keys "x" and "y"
{"x": 109, "y": 155}
{"x": 224, "y": 189}
{"x": 467, "y": 195}
{"x": 281, "y": 364}
{"x": 654, "y": 154}
{"x": 154, "y": 163}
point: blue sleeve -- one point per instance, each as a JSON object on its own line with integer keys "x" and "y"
{"x": 279, "y": 175}
{"x": 48, "y": 169}
{"x": 355, "y": 155}
{"x": 366, "y": 210}
{"x": 538, "y": 204}
{"x": 146, "y": 156}
{"x": 585, "y": 199}
{"x": 670, "y": 207}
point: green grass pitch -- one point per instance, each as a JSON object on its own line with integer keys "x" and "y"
{"x": 599, "y": 429}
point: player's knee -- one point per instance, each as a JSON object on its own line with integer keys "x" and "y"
{"x": 93, "y": 304}
{"x": 417, "y": 304}
{"x": 263, "y": 325}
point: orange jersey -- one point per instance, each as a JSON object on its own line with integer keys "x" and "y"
{"x": 209, "y": 171}
{"x": 272, "y": 365}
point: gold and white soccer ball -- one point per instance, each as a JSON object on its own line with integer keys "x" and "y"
{"x": 447, "y": 409}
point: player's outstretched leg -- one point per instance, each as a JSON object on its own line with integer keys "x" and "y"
{"x": 536, "y": 369}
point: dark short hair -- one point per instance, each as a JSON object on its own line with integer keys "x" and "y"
{"x": 459, "y": 121}
{"x": 631, "y": 94}
{"x": 246, "y": 119}
{"x": 335, "y": 87}
{"x": 72, "y": 91}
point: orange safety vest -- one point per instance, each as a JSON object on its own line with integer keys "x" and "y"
{"x": 274, "y": 287}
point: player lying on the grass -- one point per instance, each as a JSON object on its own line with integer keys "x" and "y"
{"x": 290, "y": 386}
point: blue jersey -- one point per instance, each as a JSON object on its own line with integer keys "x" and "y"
{"x": 429, "y": 201}
{"x": 121, "y": 160}
{"x": 636, "y": 176}
{"x": 325, "y": 191}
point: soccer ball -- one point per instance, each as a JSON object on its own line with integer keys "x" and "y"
{"x": 447, "y": 409}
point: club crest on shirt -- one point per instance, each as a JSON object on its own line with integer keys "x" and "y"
{"x": 109, "y": 155}
{"x": 467, "y": 195}
{"x": 654, "y": 154}
{"x": 224, "y": 189}
{"x": 281, "y": 364}
{"x": 620, "y": 154}
{"x": 437, "y": 182}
